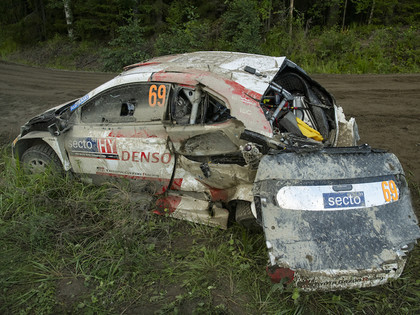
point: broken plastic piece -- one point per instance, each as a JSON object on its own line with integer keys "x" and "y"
{"x": 308, "y": 131}
{"x": 254, "y": 71}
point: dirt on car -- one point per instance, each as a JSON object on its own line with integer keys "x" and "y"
{"x": 386, "y": 107}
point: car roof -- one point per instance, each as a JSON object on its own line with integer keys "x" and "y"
{"x": 227, "y": 65}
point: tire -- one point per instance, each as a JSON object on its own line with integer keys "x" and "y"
{"x": 244, "y": 216}
{"x": 40, "y": 158}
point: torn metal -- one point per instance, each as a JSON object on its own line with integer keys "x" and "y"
{"x": 218, "y": 135}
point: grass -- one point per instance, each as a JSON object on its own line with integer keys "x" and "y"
{"x": 58, "y": 53}
{"x": 69, "y": 247}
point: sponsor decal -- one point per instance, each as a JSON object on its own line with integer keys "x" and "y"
{"x": 326, "y": 198}
{"x": 390, "y": 191}
{"x": 97, "y": 148}
{"x": 146, "y": 157}
{"x": 157, "y": 95}
{"x": 344, "y": 200}
{"x": 79, "y": 102}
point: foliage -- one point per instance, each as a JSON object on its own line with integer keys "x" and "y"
{"x": 383, "y": 50}
{"x": 57, "y": 52}
{"x": 127, "y": 48}
{"x": 186, "y": 32}
{"x": 356, "y": 50}
{"x": 241, "y": 27}
{"x": 240, "y": 20}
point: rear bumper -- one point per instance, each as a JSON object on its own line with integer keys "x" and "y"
{"x": 335, "y": 280}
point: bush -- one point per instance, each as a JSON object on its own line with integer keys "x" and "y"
{"x": 241, "y": 27}
{"x": 192, "y": 36}
{"x": 127, "y": 48}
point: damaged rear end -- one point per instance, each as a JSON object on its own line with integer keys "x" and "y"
{"x": 338, "y": 218}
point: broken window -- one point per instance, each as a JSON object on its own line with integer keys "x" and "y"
{"x": 293, "y": 97}
{"x": 194, "y": 106}
{"x": 127, "y": 103}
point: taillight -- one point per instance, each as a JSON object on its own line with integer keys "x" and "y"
{"x": 277, "y": 273}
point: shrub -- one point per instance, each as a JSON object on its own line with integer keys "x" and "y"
{"x": 191, "y": 36}
{"x": 241, "y": 27}
{"x": 127, "y": 48}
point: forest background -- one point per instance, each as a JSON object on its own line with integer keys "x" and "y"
{"x": 328, "y": 36}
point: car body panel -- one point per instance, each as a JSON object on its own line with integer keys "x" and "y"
{"x": 93, "y": 150}
{"x": 356, "y": 215}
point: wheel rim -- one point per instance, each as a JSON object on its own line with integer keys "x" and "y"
{"x": 37, "y": 166}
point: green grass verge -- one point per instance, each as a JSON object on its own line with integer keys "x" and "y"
{"x": 57, "y": 53}
{"x": 69, "y": 247}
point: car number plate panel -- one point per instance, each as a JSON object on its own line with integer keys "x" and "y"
{"x": 330, "y": 198}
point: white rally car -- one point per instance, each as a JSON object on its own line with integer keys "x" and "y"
{"x": 221, "y": 135}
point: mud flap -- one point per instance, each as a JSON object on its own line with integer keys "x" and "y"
{"x": 335, "y": 219}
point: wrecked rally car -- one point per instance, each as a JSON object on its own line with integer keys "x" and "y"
{"x": 223, "y": 135}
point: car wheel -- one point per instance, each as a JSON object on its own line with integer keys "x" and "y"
{"x": 39, "y": 158}
{"x": 244, "y": 215}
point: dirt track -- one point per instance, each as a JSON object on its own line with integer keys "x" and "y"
{"x": 386, "y": 107}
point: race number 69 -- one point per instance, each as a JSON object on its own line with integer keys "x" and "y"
{"x": 390, "y": 191}
{"x": 157, "y": 95}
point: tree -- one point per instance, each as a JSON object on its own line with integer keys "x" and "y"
{"x": 128, "y": 47}
{"x": 344, "y": 15}
{"x": 291, "y": 17}
{"x": 241, "y": 27}
{"x": 372, "y": 9}
{"x": 39, "y": 9}
{"x": 187, "y": 31}
{"x": 363, "y": 6}
{"x": 333, "y": 12}
{"x": 69, "y": 18}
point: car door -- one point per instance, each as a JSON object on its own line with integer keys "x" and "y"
{"x": 206, "y": 139}
{"x": 200, "y": 123}
{"x": 119, "y": 133}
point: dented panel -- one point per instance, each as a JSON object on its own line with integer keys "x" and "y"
{"x": 337, "y": 220}
{"x": 331, "y": 280}
{"x": 128, "y": 152}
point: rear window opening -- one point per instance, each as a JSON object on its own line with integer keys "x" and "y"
{"x": 291, "y": 95}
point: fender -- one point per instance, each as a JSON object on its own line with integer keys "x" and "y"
{"x": 21, "y": 144}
